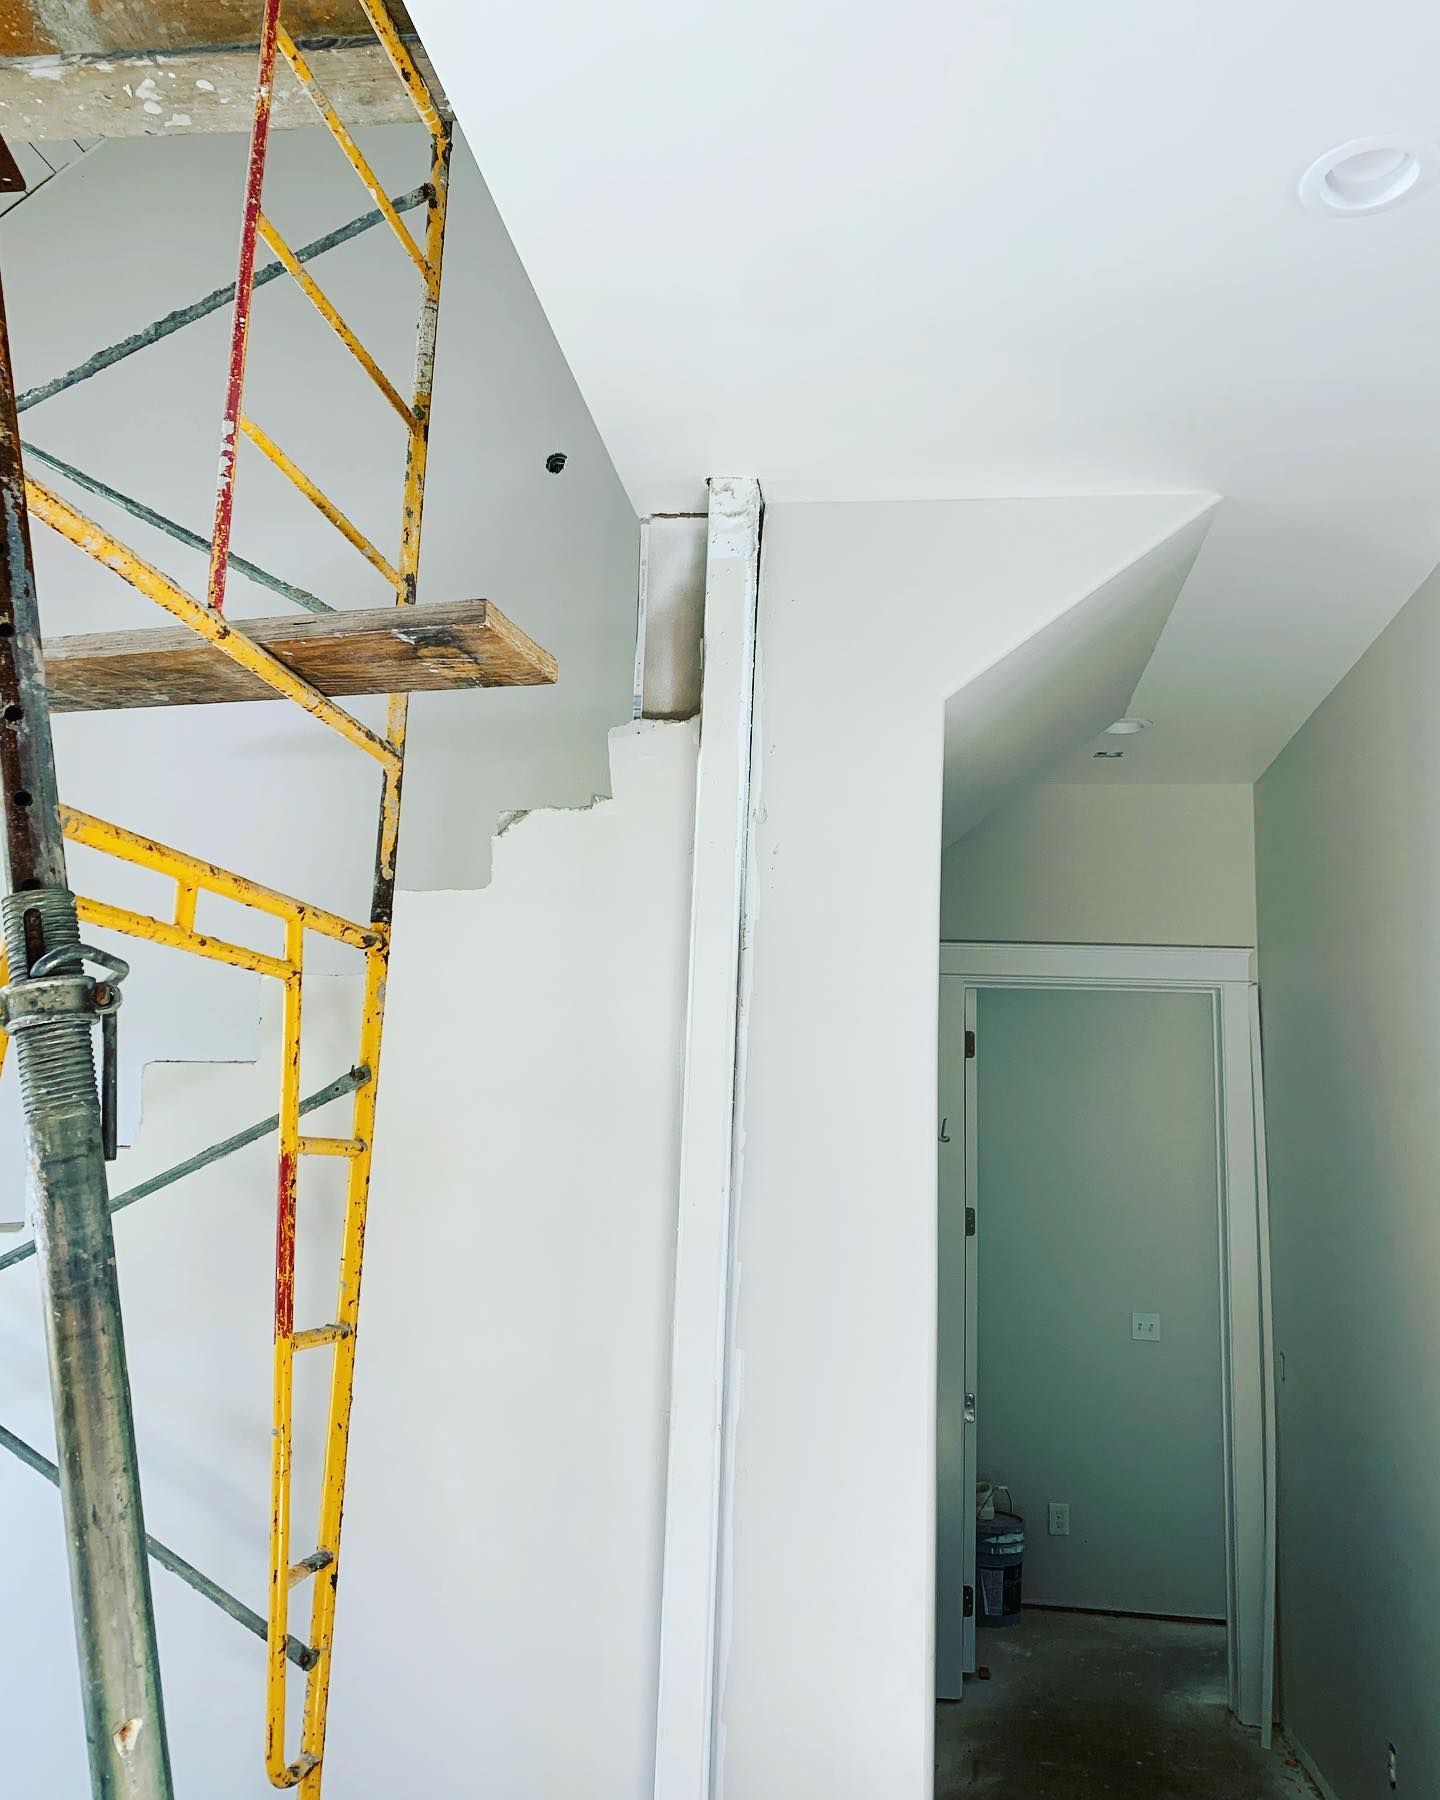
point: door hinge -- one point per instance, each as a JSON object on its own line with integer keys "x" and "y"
{"x": 969, "y": 1603}
{"x": 969, "y": 1221}
{"x": 969, "y": 1045}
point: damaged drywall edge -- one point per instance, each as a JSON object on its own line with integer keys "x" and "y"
{"x": 634, "y": 729}
{"x": 731, "y": 517}
{"x": 508, "y": 821}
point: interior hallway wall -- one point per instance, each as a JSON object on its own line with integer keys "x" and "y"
{"x": 871, "y": 616}
{"x": 1098, "y": 1198}
{"x": 498, "y": 1606}
{"x": 1106, "y": 863}
{"x": 1348, "y": 860}
{"x": 141, "y": 226}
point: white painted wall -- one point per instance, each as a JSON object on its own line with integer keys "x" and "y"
{"x": 1110, "y": 1209}
{"x": 1349, "y": 891}
{"x": 1106, "y": 865}
{"x": 497, "y": 1624}
{"x": 871, "y": 616}
{"x": 142, "y": 226}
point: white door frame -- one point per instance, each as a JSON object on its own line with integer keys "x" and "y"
{"x": 1229, "y": 977}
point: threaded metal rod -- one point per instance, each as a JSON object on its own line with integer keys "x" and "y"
{"x": 89, "y": 1382}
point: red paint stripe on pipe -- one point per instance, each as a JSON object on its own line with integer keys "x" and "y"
{"x": 244, "y": 294}
{"x": 285, "y": 1247}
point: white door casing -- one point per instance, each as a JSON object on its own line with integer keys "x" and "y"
{"x": 1228, "y": 976}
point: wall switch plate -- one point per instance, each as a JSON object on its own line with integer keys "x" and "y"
{"x": 1145, "y": 1328}
{"x": 1059, "y": 1518}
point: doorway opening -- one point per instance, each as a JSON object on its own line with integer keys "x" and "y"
{"x": 1105, "y": 1540}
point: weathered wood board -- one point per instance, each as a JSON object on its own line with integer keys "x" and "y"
{"x": 161, "y": 93}
{"x": 81, "y": 27}
{"x": 380, "y": 650}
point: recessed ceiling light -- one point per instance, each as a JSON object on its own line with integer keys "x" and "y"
{"x": 1368, "y": 175}
{"x": 1127, "y": 727}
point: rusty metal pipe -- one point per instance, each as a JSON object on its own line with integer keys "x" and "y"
{"x": 89, "y": 1382}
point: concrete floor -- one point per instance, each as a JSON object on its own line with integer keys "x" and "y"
{"x": 1081, "y": 1706}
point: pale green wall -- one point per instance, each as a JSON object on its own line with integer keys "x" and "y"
{"x": 1097, "y": 1198}
{"x": 1132, "y": 864}
{"x": 1348, "y": 855}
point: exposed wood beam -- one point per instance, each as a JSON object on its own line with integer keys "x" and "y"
{"x": 380, "y": 650}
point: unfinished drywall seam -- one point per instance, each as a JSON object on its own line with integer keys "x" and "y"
{"x": 719, "y": 932}
{"x": 732, "y": 1367}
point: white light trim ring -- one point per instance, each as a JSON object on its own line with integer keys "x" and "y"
{"x": 1368, "y": 175}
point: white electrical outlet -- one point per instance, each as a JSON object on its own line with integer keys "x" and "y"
{"x": 1145, "y": 1328}
{"x": 1059, "y": 1518}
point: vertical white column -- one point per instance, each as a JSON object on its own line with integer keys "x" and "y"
{"x": 724, "y": 810}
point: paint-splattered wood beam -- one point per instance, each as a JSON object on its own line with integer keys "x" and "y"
{"x": 83, "y": 27}
{"x": 168, "y": 92}
{"x": 446, "y": 645}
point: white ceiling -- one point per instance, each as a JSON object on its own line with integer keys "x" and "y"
{"x": 1011, "y": 247}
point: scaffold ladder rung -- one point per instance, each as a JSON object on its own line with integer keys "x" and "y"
{"x": 331, "y": 1146}
{"x": 321, "y": 1334}
{"x": 309, "y": 1565}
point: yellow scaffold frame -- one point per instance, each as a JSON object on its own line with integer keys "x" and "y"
{"x": 194, "y": 879}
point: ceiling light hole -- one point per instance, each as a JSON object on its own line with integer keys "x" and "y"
{"x": 1127, "y": 727}
{"x": 1371, "y": 177}
{"x": 1368, "y": 175}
